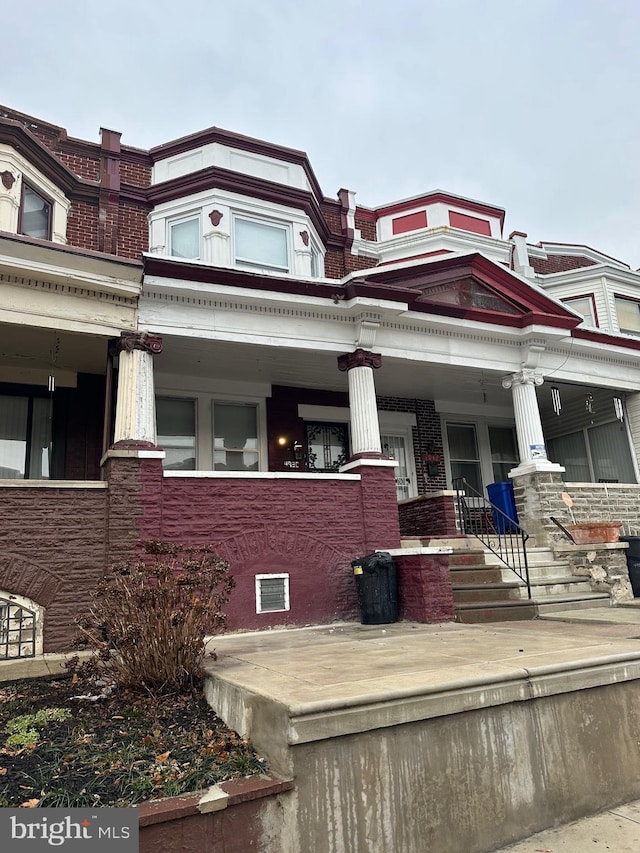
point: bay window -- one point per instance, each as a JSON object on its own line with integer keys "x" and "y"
{"x": 35, "y": 214}
{"x": 261, "y": 245}
{"x": 184, "y": 237}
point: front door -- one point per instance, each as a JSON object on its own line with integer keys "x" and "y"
{"x": 395, "y": 447}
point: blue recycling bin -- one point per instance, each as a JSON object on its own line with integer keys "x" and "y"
{"x": 501, "y": 495}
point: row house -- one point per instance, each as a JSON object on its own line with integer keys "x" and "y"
{"x": 197, "y": 344}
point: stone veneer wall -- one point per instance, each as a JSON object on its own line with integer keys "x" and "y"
{"x": 606, "y": 502}
{"x": 52, "y": 551}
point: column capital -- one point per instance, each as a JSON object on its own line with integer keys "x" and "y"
{"x": 523, "y": 377}
{"x": 359, "y": 358}
{"x": 129, "y": 341}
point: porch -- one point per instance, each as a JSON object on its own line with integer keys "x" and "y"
{"x": 445, "y": 737}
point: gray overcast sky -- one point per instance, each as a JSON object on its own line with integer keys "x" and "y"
{"x": 528, "y": 105}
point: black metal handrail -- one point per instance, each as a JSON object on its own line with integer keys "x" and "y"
{"x": 492, "y": 526}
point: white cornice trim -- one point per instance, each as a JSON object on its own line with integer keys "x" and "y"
{"x": 23, "y": 268}
{"x": 607, "y": 271}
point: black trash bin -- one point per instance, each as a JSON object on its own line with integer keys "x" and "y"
{"x": 377, "y": 587}
{"x": 633, "y": 562}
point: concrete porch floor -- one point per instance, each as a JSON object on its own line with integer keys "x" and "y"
{"x": 319, "y": 700}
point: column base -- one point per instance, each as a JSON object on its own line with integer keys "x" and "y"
{"x": 535, "y": 466}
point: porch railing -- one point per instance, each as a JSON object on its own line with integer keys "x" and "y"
{"x": 503, "y": 536}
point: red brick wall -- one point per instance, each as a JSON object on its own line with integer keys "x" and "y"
{"x": 427, "y": 438}
{"x": 559, "y": 263}
{"x": 82, "y": 225}
{"x": 133, "y": 231}
{"x": 52, "y": 550}
{"x": 425, "y": 588}
{"x": 82, "y": 166}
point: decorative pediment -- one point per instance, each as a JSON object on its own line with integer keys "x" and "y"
{"x": 467, "y": 293}
{"x": 471, "y": 287}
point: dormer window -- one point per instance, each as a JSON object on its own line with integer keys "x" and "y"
{"x": 35, "y": 214}
{"x": 184, "y": 237}
{"x": 259, "y": 245}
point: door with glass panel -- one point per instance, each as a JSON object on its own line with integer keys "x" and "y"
{"x": 395, "y": 447}
{"x": 25, "y": 437}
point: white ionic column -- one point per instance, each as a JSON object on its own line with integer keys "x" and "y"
{"x": 135, "y": 398}
{"x": 365, "y": 428}
{"x": 531, "y": 447}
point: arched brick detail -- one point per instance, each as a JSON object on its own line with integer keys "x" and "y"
{"x": 30, "y": 579}
{"x": 290, "y": 545}
{"x": 321, "y": 587}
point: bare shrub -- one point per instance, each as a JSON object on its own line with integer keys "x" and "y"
{"x": 149, "y": 618}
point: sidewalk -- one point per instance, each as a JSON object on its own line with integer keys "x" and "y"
{"x": 616, "y": 830}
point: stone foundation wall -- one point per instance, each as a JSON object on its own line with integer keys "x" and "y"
{"x": 605, "y": 565}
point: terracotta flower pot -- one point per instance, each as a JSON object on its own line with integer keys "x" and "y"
{"x": 592, "y": 532}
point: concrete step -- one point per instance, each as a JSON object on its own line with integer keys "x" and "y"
{"x": 544, "y": 587}
{"x": 463, "y": 593}
{"x": 495, "y": 611}
{"x": 573, "y": 601}
{"x": 476, "y": 574}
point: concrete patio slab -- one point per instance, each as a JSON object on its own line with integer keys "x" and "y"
{"x": 445, "y": 737}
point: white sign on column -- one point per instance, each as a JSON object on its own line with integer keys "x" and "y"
{"x": 531, "y": 446}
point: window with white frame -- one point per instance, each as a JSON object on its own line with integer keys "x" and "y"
{"x": 628, "y": 313}
{"x": 584, "y": 306}
{"x": 272, "y": 593}
{"x": 184, "y": 237}
{"x": 261, "y": 245}
{"x": 176, "y": 428}
{"x": 316, "y": 261}
{"x": 235, "y": 437}
{"x": 35, "y": 214}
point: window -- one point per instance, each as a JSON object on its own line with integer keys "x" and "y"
{"x": 504, "y": 452}
{"x": 463, "y": 454}
{"x": 327, "y": 446}
{"x": 35, "y": 214}
{"x": 176, "y": 420}
{"x": 595, "y": 454}
{"x": 316, "y": 260}
{"x": 259, "y": 245}
{"x": 25, "y": 437}
{"x": 628, "y": 313}
{"x": 235, "y": 437}
{"x": 272, "y": 593}
{"x": 184, "y": 238}
{"x": 584, "y": 306}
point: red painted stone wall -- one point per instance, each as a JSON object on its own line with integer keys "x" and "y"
{"x": 52, "y": 550}
{"x": 424, "y": 517}
{"x": 425, "y": 588}
{"x": 310, "y": 528}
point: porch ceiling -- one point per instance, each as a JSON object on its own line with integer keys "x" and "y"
{"x": 216, "y": 360}
{"x": 317, "y": 369}
{"x": 29, "y": 348}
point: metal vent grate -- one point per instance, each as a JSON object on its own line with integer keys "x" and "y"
{"x": 17, "y": 631}
{"x": 272, "y": 593}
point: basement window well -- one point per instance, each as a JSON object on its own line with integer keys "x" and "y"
{"x": 272, "y": 593}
